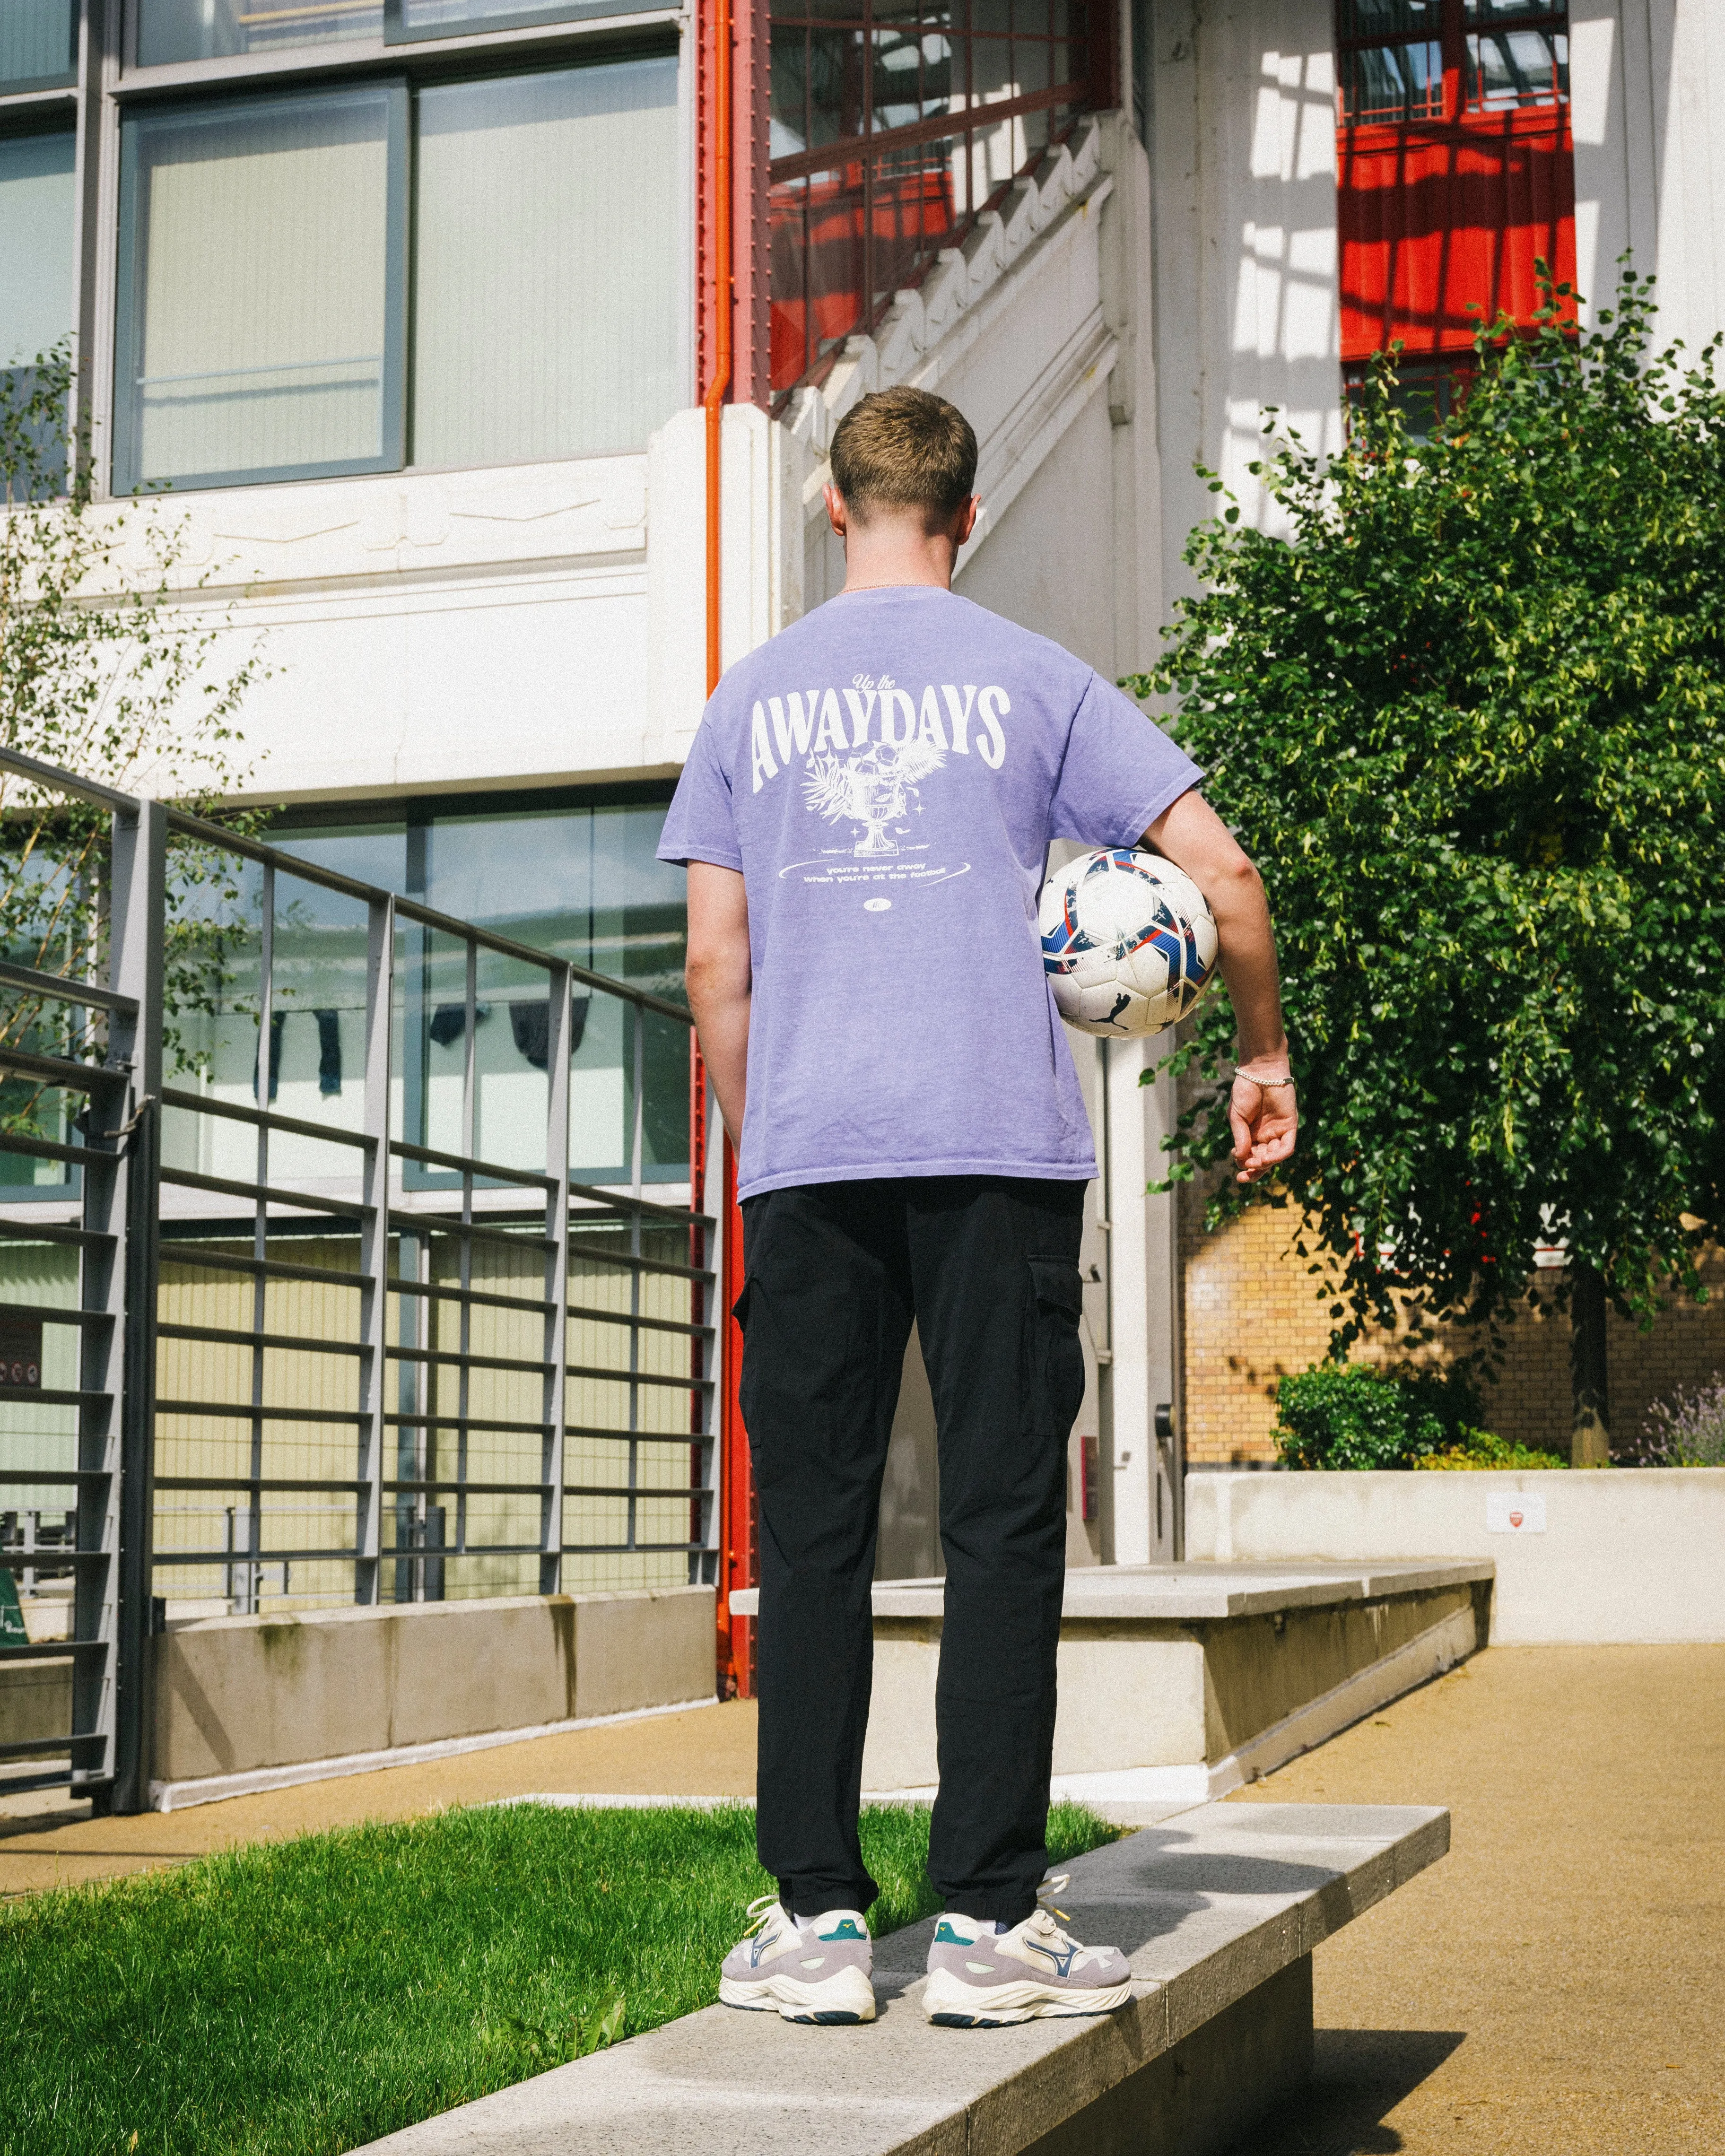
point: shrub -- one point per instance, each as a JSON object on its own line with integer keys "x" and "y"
{"x": 1342, "y": 1414}
{"x": 1687, "y": 1430}
{"x": 1482, "y": 1449}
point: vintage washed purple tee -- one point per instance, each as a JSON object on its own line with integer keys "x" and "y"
{"x": 887, "y": 775}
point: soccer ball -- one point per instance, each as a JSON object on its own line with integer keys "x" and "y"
{"x": 1128, "y": 943}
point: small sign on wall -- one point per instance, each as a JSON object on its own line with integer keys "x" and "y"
{"x": 1515, "y": 1511}
{"x": 21, "y": 1352}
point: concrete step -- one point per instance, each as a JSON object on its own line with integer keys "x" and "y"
{"x": 1191, "y": 1679}
{"x": 1219, "y": 1909}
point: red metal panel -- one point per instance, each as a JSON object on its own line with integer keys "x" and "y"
{"x": 1435, "y": 221}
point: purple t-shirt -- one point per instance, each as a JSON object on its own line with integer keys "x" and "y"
{"x": 887, "y": 774}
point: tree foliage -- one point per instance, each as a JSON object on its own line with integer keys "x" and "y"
{"x": 1469, "y": 719}
{"x": 110, "y": 668}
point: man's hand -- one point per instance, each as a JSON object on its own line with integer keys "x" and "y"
{"x": 1265, "y": 1121}
{"x": 720, "y": 981}
{"x": 1261, "y": 1112}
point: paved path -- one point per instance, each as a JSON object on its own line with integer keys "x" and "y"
{"x": 708, "y": 1752}
{"x": 1555, "y": 1987}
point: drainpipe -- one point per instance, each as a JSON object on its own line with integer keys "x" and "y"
{"x": 724, "y": 213}
{"x": 736, "y": 1494}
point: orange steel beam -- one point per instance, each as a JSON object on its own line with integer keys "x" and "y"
{"x": 724, "y": 213}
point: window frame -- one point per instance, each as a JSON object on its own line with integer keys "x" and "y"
{"x": 128, "y": 311}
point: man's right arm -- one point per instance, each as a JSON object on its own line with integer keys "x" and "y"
{"x": 720, "y": 981}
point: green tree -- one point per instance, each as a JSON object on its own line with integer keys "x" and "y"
{"x": 1469, "y": 718}
{"x": 112, "y": 666}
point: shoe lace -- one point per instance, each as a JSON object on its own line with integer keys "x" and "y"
{"x": 758, "y": 1913}
{"x": 1045, "y": 1907}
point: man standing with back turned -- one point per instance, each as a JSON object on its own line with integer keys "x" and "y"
{"x": 865, "y": 815}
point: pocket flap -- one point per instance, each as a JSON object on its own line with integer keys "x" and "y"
{"x": 1056, "y": 1281}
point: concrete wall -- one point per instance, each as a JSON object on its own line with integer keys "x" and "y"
{"x": 1243, "y": 132}
{"x": 1626, "y": 1554}
{"x": 1170, "y": 1693}
{"x": 232, "y": 1694}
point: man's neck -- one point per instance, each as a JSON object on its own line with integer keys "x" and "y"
{"x": 894, "y": 574}
{"x": 889, "y": 553}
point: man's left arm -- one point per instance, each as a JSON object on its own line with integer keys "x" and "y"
{"x": 1262, "y": 1109}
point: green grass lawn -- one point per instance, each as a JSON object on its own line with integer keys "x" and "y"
{"x": 300, "y": 1999}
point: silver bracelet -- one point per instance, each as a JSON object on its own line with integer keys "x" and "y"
{"x": 1268, "y": 1085}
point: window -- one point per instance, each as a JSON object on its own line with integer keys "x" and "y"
{"x": 578, "y": 878}
{"x": 1433, "y": 59}
{"x": 893, "y": 122}
{"x": 175, "y": 31}
{"x": 544, "y": 245}
{"x": 544, "y": 320}
{"x": 1455, "y": 167}
{"x": 448, "y": 18}
{"x": 1390, "y": 61}
{"x": 260, "y": 327}
{"x": 1519, "y": 55}
{"x": 37, "y": 205}
{"x": 39, "y": 43}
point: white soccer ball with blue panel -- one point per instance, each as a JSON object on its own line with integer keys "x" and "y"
{"x": 1128, "y": 943}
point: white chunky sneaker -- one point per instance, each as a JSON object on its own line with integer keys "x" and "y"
{"x": 978, "y": 1979}
{"x": 819, "y": 1970}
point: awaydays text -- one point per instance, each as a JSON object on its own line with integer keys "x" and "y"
{"x": 836, "y": 721}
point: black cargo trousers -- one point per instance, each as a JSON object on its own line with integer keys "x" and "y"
{"x": 833, "y": 1275}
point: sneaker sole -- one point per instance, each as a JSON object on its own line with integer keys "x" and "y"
{"x": 950, "y": 2004}
{"x": 842, "y": 2001}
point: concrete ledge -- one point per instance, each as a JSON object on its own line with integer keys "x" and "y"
{"x": 1195, "y": 1677}
{"x": 1219, "y": 1910}
{"x": 1620, "y": 1555}
{"x": 213, "y": 1788}
{"x": 240, "y": 1696}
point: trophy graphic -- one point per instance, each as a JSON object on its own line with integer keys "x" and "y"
{"x": 873, "y": 789}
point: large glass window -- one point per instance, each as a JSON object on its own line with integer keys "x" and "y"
{"x": 37, "y": 204}
{"x": 260, "y": 317}
{"x": 544, "y": 320}
{"x": 580, "y": 879}
{"x": 170, "y": 30}
{"x": 893, "y": 122}
{"x": 448, "y": 19}
{"x": 263, "y": 312}
{"x": 39, "y": 43}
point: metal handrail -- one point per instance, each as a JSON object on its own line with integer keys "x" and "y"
{"x": 412, "y": 1404}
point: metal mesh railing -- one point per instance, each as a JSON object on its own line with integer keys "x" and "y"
{"x": 359, "y": 1365}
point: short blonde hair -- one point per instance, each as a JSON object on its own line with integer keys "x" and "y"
{"x": 904, "y": 449}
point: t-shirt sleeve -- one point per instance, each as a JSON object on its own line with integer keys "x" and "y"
{"x": 1119, "y": 774}
{"x": 700, "y": 824}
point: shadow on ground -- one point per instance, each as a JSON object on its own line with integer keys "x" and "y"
{"x": 1360, "y": 2076}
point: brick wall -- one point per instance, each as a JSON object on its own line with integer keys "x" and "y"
{"x": 1253, "y": 1314}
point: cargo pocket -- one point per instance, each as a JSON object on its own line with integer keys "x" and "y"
{"x": 1054, "y": 1390}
